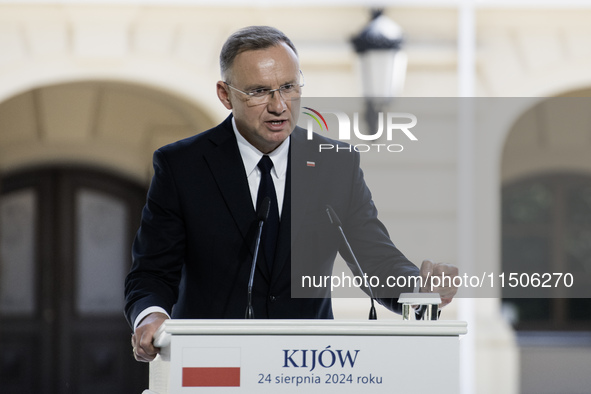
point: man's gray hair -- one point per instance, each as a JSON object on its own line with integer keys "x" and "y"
{"x": 249, "y": 39}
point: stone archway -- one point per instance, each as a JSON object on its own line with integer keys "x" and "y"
{"x": 108, "y": 124}
{"x": 544, "y": 179}
{"x": 75, "y": 160}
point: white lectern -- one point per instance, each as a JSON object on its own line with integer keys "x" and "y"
{"x": 306, "y": 356}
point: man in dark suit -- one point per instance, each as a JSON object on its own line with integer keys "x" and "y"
{"x": 193, "y": 251}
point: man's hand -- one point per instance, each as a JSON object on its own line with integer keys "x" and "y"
{"x": 445, "y": 288}
{"x": 141, "y": 340}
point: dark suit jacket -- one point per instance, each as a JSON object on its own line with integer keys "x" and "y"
{"x": 192, "y": 254}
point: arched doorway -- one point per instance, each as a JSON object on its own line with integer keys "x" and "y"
{"x": 65, "y": 236}
{"x": 74, "y": 169}
{"x": 546, "y": 227}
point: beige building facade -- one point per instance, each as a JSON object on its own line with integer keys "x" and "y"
{"x": 101, "y": 86}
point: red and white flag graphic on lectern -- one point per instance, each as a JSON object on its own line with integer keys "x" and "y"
{"x": 211, "y": 367}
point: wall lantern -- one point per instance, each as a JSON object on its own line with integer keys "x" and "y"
{"x": 383, "y": 62}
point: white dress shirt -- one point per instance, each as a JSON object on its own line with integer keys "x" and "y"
{"x": 251, "y": 157}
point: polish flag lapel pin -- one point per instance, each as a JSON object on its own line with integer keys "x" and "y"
{"x": 311, "y": 163}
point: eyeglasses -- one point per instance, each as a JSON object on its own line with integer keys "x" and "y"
{"x": 288, "y": 92}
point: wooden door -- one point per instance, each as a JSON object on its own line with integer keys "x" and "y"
{"x": 65, "y": 240}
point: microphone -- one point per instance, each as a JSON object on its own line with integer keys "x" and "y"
{"x": 263, "y": 214}
{"x": 334, "y": 219}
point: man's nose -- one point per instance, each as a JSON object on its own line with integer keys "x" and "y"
{"x": 276, "y": 104}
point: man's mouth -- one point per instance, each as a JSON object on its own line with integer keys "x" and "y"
{"x": 276, "y": 124}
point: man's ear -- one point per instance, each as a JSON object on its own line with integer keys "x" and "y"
{"x": 223, "y": 94}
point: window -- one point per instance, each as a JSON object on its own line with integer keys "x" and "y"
{"x": 546, "y": 227}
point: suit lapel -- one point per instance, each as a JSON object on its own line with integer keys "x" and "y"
{"x": 283, "y": 248}
{"x": 304, "y": 179}
{"x": 227, "y": 168}
{"x": 299, "y": 189}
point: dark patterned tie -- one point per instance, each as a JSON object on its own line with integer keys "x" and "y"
{"x": 271, "y": 227}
